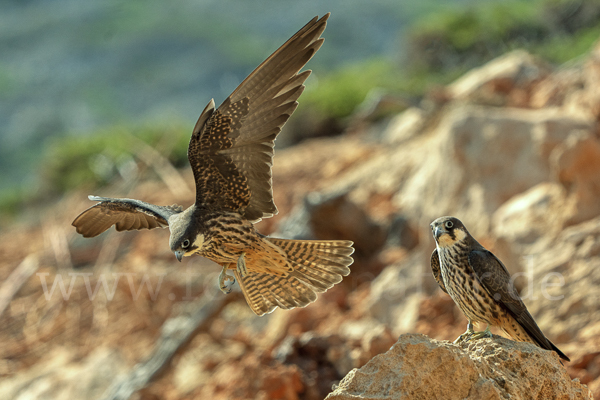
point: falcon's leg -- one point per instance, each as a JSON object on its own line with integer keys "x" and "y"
{"x": 223, "y": 278}
{"x": 483, "y": 334}
{"x": 468, "y": 333}
{"x": 241, "y": 265}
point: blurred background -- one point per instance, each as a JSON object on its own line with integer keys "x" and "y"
{"x": 485, "y": 110}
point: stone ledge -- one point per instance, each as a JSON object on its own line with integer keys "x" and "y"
{"x": 418, "y": 367}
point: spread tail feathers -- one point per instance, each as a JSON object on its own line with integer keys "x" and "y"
{"x": 317, "y": 266}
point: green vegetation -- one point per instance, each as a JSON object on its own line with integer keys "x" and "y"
{"x": 564, "y": 48}
{"x": 96, "y": 159}
{"x": 557, "y": 30}
{"x": 447, "y": 43}
{"x": 10, "y": 201}
{"x": 338, "y": 93}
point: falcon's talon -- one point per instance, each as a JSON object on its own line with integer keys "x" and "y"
{"x": 223, "y": 278}
{"x": 467, "y": 335}
{"x": 480, "y": 335}
{"x": 241, "y": 265}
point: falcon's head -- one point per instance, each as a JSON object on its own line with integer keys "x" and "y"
{"x": 448, "y": 230}
{"x": 185, "y": 237}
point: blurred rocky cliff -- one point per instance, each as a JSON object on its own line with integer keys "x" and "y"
{"x": 511, "y": 148}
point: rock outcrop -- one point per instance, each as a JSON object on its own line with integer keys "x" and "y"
{"x": 417, "y": 367}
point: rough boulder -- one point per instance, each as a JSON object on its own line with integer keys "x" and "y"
{"x": 418, "y": 367}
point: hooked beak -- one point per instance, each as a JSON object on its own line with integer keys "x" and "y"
{"x": 438, "y": 231}
{"x": 179, "y": 255}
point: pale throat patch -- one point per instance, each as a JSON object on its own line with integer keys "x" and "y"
{"x": 445, "y": 240}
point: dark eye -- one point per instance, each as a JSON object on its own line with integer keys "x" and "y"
{"x": 448, "y": 224}
{"x": 185, "y": 244}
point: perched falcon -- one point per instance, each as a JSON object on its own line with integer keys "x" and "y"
{"x": 231, "y": 154}
{"x": 480, "y": 285}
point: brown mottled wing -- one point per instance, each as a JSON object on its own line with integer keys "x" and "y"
{"x": 231, "y": 149}
{"x": 316, "y": 267}
{"x": 125, "y": 214}
{"x": 265, "y": 292}
{"x": 494, "y": 277}
{"x": 435, "y": 269}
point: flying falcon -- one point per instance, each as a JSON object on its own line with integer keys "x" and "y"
{"x": 480, "y": 286}
{"x": 231, "y": 155}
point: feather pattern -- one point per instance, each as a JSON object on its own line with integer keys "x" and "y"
{"x": 315, "y": 267}
{"x": 231, "y": 148}
{"x": 494, "y": 277}
{"x": 435, "y": 269}
{"x": 125, "y": 214}
{"x": 480, "y": 284}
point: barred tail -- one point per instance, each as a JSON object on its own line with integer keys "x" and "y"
{"x": 317, "y": 266}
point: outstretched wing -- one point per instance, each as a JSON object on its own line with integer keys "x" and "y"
{"x": 494, "y": 277}
{"x": 435, "y": 269}
{"x": 125, "y": 214}
{"x": 231, "y": 149}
